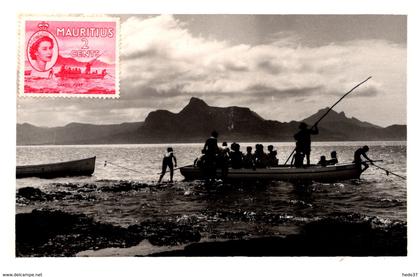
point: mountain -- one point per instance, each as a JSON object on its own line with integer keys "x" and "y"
{"x": 236, "y": 123}
{"x": 344, "y": 128}
{"x": 197, "y": 119}
{"x": 334, "y": 118}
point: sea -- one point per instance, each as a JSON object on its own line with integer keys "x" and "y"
{"x": 124, "y": 192}
{"x": 39, "y": 82}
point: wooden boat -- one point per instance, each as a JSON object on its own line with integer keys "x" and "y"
{"x": 317, "y": 173}
{"x": 84, "y": 167}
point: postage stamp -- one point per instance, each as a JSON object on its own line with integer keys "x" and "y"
{"x": 69, "y": 56}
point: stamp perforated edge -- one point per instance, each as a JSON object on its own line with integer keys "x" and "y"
{"x": 63, "y": 17}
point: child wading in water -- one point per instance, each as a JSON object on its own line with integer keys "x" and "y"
{"x": 168, "y": 161}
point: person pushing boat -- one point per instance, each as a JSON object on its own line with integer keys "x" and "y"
{"x": 358, "y": 154}
{"x": 169, "y": 160}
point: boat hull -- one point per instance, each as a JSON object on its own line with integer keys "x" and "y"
{"x": 80, "y": 76}
{"x": 84, "y": 167}
{"x": 282, "y": 173}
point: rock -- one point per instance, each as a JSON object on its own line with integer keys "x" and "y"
{"x": 123, "y": 186}
{"x": 57, "y": 233}
{"x": 347, "y": 235}
{"x": 30, "y": 193}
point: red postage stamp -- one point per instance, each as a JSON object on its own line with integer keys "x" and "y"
{"x": 69, "y": 56}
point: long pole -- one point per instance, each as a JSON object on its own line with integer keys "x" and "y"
{"x": 177, "y": 168}
{"x": 389, "y": 172}
{"x": 342, "y": 97}
{"x": 120, "y": 166}
{"x": 325, "y": 114}
{"x": 108, "y": 162}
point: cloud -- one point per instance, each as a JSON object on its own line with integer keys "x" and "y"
{"x": 265, "y": 91}
{"x": 285, "y": 39}
{"x": 162, "y": 53}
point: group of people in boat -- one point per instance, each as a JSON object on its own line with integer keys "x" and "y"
{"x": 324, "y": 162}
{"x": 358, "y": 154}
{"x": 303, "y": 149}
{"x": 233, "y": 157}
{"x": 224, "y": 157}
{"x": 213, "y": 157}
{"x": 77, "y": 70}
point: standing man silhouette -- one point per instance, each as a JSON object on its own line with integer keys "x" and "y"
{"x": 210, "y": 147}
{"x": 303, "y": 140}
{"x": 211, "y": 152}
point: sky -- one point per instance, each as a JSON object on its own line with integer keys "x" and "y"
{"x": 284, "y": 67}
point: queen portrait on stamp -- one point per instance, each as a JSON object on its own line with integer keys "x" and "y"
{"x": 42, "y": 49}
{"x": 41, "y": 52}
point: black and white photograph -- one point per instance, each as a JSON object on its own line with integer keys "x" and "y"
{"x": 249, "y": 135}
{"x": 276, "y": 135}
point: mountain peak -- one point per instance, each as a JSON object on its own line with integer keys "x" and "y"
{"x": 194, "y": 101}
{"x": 321, "y": 112}
{"x": 195, "y": 105}
{"x": 332, "y": 116}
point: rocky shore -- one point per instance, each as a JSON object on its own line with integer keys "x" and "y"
{"x": 54, "y": 233}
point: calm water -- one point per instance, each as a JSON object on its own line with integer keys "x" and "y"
{"x": 125, "y": 197}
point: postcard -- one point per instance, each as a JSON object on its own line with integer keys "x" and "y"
{"x": 211, "y": 135}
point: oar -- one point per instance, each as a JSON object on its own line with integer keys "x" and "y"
{"x": 179, "y": 167}
{"x": 376, "y": 161}
{"x": 325, "y": 114}
{"x": 389, "y": 172}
